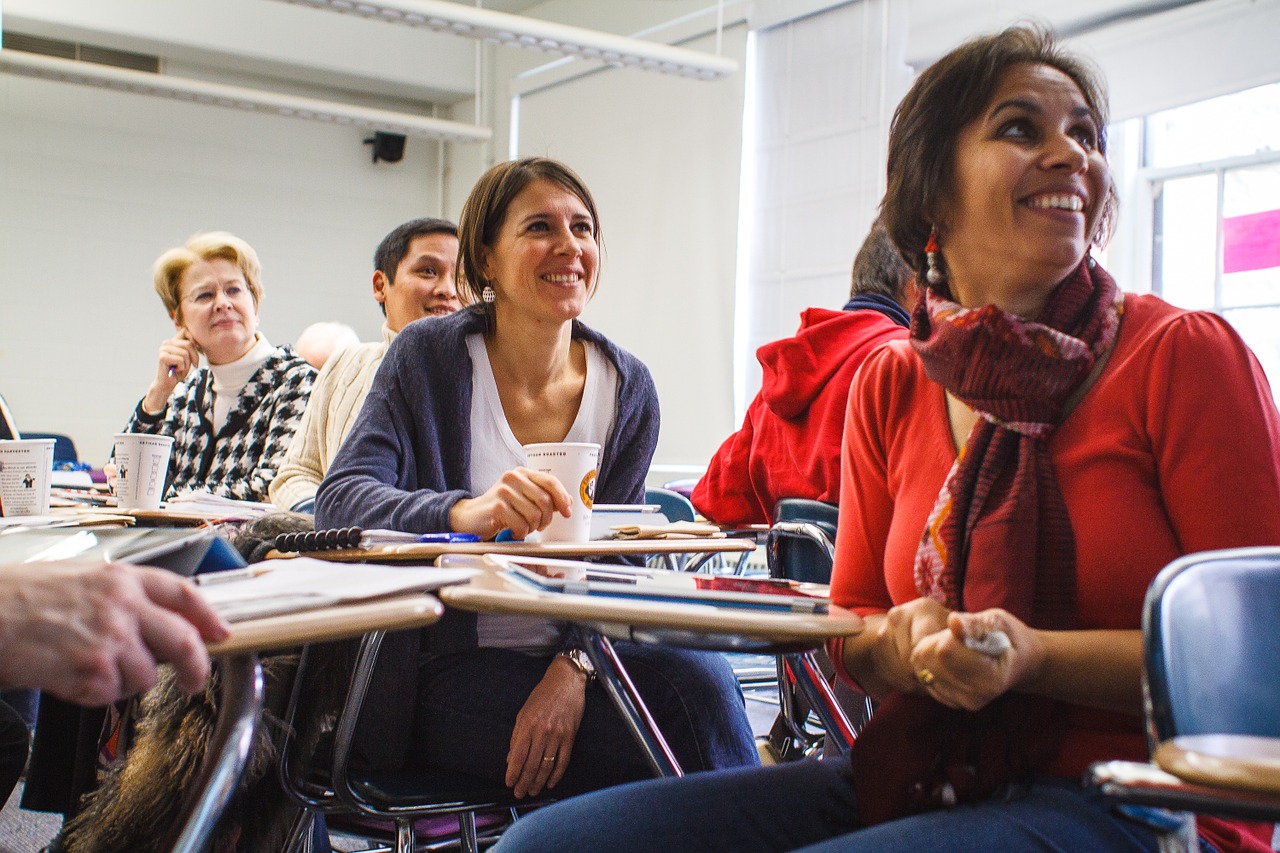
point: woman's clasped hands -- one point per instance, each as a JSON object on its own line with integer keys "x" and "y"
{"x": 921, "y": 648}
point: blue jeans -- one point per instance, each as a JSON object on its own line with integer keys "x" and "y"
{"x": 467, "y": 706}
{"x": 810, "y": 806}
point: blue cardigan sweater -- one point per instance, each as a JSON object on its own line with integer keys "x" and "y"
{"x": 407, "y": 461}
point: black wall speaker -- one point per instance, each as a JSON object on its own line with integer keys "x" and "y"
{"x": 386, "y": 146}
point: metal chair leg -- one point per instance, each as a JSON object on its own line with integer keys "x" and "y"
{"x": 300, "y": 832}
{"x": 467, "y": 832}
{"x": 406, "y": 837}
{"x": 241, "y": 703}
{"x": 818, "y": 692}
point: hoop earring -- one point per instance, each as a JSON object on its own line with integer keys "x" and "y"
{"x": 933, "y": 275}
{"x": 487, "y": 294}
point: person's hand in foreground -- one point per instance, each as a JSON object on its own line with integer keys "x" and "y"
{"x": 93, "y": 633}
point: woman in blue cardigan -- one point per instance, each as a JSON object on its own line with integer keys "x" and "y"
{"x": 438, "y": 447}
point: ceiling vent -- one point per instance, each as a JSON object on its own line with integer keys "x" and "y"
{"x": 82, "y": 52}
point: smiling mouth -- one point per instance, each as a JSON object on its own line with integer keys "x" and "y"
{"x": 567, "y": 278}
{"x": 1056, "y": 202}
{"x": 438, "y": 311}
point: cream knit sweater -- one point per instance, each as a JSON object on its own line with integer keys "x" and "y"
{"x": 336, "y": 398}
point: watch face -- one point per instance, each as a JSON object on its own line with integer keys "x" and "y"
{"x": 582, "y": 661}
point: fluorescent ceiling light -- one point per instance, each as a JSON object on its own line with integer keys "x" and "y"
{"x": 236, "y": 97}
{"x": 520, "y": 31}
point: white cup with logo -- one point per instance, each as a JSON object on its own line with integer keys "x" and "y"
{"x": 26, "y": 472}
{"x": 142, "y": 463}
{"x": 574, "y": 465}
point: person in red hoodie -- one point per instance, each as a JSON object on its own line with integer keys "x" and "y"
{"x": 789, "y": 444}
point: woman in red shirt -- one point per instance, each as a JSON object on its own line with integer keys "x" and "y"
{"x": 1013, "y": 477}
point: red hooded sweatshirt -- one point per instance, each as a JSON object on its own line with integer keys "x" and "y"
{"x": 789, "y": 444}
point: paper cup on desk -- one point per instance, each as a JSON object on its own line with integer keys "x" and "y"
{"x": 143, "y": 464}
{"x": 26, "y": 469}
{"x": 574, "y": 465}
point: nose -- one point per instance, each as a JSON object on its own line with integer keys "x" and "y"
{"x": 1064, "y": 151}
{"x": 447, "y": 287}
{"x": 220, "y": 299}
{"x": 567, "y": 242}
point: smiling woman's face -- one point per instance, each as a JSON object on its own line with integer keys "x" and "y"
{"x": 1030, "y": 184}
{"x": 217, "y": 309}
{"x": 545, "y": 259}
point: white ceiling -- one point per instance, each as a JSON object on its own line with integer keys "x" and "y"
{"x": 238, "y": 40}
{"x": 293, "y": 48}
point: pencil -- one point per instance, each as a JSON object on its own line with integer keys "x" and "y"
{"x": 232, "y": 575}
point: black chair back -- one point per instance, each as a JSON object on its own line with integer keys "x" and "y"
{"x": 802, "y": 540}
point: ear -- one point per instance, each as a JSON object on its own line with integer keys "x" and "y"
{"x": 380, "y": 285}
{"x": 486, "y": 265}
{"x": 910, "y": 294}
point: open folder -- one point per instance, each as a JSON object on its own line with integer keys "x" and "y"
{"x": 180, "y": 550}
{"x": 273, "y": 587}
{"x": 572, "y": 577}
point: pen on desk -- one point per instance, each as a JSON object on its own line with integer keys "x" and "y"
{"x": 232, "y": 575}
{"x": 448, "y": 537}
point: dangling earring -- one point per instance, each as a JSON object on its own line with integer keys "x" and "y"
{"x": 487, "y": 294}
{"x": 933, "y": 275}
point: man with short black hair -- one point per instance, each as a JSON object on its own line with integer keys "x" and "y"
{"x": 413, "y": 278}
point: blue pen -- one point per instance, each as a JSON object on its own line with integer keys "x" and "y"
{"x": 448, "y": 537}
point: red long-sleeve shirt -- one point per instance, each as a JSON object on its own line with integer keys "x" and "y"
{"x": 1175, "y": 449}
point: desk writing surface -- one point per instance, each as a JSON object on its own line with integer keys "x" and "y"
{"x": 596, "y": 548}
{"x": 409, "y": 610}
{"x": 492, "y": 593}
{"x": 1242, "y": 762}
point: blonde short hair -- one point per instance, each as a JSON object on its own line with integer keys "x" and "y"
{"x": 173, "y": 264}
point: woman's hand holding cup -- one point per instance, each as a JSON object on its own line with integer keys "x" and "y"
{"x": 522, "y": 500}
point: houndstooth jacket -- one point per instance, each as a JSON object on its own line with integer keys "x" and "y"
{"x": 241, "y": 460}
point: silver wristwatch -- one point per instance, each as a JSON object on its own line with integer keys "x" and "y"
{"x": 581, "y": 662}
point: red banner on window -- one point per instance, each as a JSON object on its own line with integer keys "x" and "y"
{"x": 1251, "y": 242}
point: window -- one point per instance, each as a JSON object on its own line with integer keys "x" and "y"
{"x": 1214, "y": 173}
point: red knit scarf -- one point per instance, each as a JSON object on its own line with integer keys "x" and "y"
{"x": 999, "y": 535}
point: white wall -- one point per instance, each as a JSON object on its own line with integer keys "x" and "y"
{"x": 826, "y": 87}
{"x": 94, "y": 185}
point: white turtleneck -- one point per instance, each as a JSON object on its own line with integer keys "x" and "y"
{"x": 229, "y": 379}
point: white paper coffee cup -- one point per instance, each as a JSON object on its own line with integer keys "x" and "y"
{"x": 26, "y": 471}
{"x": 574, "y": 465}
{"x": 142, "y": 464}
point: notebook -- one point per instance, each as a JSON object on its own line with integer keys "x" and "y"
{"x": 655, "y": 585}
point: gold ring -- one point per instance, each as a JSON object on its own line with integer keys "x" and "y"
{"x": 548, "y": 758}
{"x": 925, "y": 677}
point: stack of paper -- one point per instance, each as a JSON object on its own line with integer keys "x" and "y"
{"x": 205, "y": 502}
{"x": 304, "y": 583}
